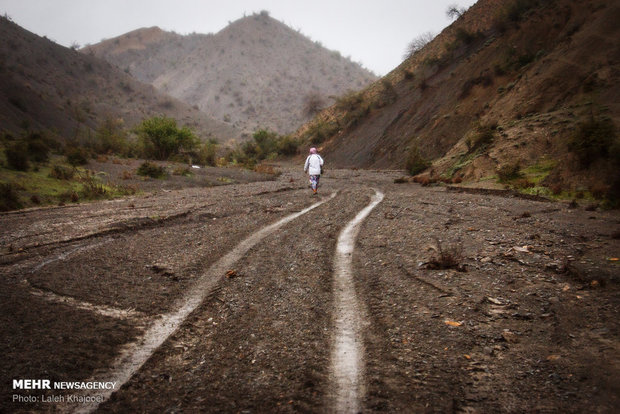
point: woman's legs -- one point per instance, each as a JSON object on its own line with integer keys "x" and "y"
{"x": 314, "y": 182}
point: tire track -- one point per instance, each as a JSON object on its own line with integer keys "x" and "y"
{"x": 136, "y": 354}
{"x": 347, "y": 349}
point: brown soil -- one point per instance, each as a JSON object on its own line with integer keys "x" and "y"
{"x": 527, "y": 321}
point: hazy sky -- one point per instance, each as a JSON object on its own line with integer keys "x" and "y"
{"x": 374, "y": 33}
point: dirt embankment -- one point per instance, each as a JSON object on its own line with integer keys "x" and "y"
{"x": 527, "y": 320}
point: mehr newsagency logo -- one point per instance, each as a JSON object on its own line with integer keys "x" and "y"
{"x": 45, "y": 384}
{"x": 81, "y": 389}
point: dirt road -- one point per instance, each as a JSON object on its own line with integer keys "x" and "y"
{"x": 226, "y": 299}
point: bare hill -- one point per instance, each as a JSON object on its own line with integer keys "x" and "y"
{"x": 256, "y": 73}
{"x": 521, "y": 84}
{"x": 48, "y": 87}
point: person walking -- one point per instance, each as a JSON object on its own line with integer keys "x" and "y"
{"x": 314, "y": 167}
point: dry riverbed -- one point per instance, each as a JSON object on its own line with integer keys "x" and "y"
{"x": 524, "y": 319}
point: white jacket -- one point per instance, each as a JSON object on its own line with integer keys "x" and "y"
{"x": 313, "y": 164}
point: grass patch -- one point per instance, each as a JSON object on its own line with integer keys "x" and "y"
{"x": 463, "y": 160}
{"x": 531, "y": 180}
{"x": 538, "y": 172}
{"x": 478, "y": 140}
{"x": 540, "y": 191}
{"x": 41, "y": 187}
{"x": 225, "y": 180}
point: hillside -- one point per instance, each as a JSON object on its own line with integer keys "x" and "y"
{"x": 47, "y": 87}
{"x": 255, "y": 73}
{"x": 528, "y": 86}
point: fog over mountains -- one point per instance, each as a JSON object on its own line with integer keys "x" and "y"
{"x": 256, "y": 73}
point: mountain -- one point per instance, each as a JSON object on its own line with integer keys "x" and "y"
{"x": 527, "y": 85}
{"x": 255, "y": 73}
{"x": 45, "y": 86}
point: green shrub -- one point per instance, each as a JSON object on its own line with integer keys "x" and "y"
{"x": 388, "y": 94}
{"x": 482, "y": 136}
{"x": 499, "y": 69}
{"x": 76, "y": 156}
{"x": 465, "y": 37}
{"x": 354, "y": 116}
{"x": 149, "y": 169}
{"x": 205, "y": 154}
{"x": 415, "y": 163}
{"x": 111, "y": 137}
{"x": 431, "y": 61}
{"x": 266, "y": 144}
{"x": 91, "y": 190}
{"x": 524, "y": 60}
{"x": 516, "y": 9}
{"x": 9, "y": 197}
{"x": 38, "y": 149}
{"x": 160, "y": 138}
{"x": 61, "y": 173}
{"x": 592, "y": 140}
{"x": 349, "y": 101}
{"x": 313, "y": 103}
{"x": 17, "y": 156}
{"x": 320, "y": 131}
{"x": 484, "y": 80}
{"x": 354, "y": 106}
{"x": 509, "y": 172}
{"x": 512, "y": 13}
{"x": 287, "y": 146}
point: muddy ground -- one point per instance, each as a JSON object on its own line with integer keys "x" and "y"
{"x": 525, "y": 321}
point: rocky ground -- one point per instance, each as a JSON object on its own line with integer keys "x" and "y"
{"x": 472, "y": 302}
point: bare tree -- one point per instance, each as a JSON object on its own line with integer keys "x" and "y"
{"x": 454, "y": 11}
{"x": 418, "y": 43}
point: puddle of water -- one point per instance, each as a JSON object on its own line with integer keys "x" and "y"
{"x": 347, "y": 352}
{"x": 134, "y": 355}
